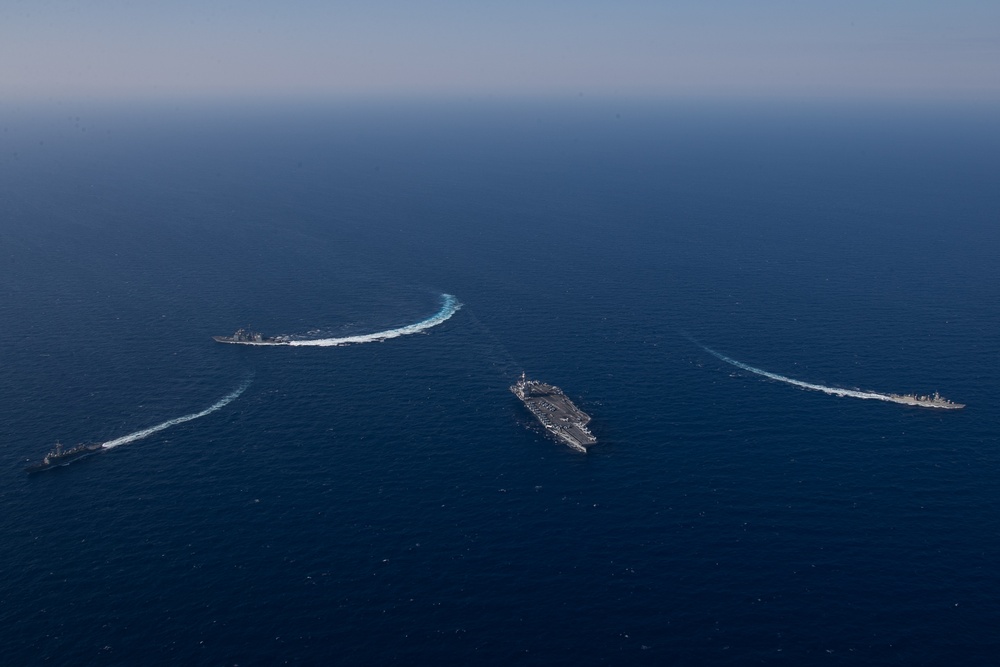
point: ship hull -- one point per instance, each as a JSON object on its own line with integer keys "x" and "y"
{"x": 557, "y": 414}
{"x": 936, "y": 401}
{"x": 248, "y": 337}
{"x": 232, "y": 341}
{"x": 54, "y": 460}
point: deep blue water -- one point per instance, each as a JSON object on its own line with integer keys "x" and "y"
{"x": 392, "y": 503}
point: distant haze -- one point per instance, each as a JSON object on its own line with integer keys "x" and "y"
{"x": 889, "y": 49}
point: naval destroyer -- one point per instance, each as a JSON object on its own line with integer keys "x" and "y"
{"x": 247, "y": 337}
{"x": 553, "y": 410}
{"x": 62, "y": 457}
{"x": 934, "y": 400}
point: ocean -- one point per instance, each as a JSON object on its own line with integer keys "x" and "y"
{"x": 390, "y": 501}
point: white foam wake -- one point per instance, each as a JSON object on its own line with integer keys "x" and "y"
{"x": 927, "y": 402}
{"x": 146, "y": 432}
{"x": 450, "y": 305}
{"x": 835, "y": 391}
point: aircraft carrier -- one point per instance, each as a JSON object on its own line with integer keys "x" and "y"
{"x": 553, "y": 410}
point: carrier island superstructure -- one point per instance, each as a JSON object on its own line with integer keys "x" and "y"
{"x": 553, "y": 410}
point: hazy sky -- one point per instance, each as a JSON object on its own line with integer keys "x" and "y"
{"x": 135, "y": 48}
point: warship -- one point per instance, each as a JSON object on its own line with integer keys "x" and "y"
{"x": 248, "y": 337}
{"x": 553, "y": 410}
{"x": 935, "y": 400}
{"x": 62, "y": 457}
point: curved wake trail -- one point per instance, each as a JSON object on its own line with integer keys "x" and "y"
{"x": 836, "y": 391}
{"x": 146, "y": 432}
{"x": 449, "y": 307}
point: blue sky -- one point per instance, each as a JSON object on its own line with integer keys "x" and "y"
{"x": 769, "y": 48}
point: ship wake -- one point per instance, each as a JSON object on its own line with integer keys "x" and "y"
{"x": 146, "y": 432}
{"x": 835, "y": 391}
{"x": 450, "y": 305}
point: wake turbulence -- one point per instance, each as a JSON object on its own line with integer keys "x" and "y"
{"x": 450, "y": 305}
{"x": 933, "y": 401}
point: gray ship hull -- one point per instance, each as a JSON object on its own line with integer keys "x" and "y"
{"x": 60, "y": 457}
{"x": 248, "y": 337}
{"x": 556, "y": 413}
